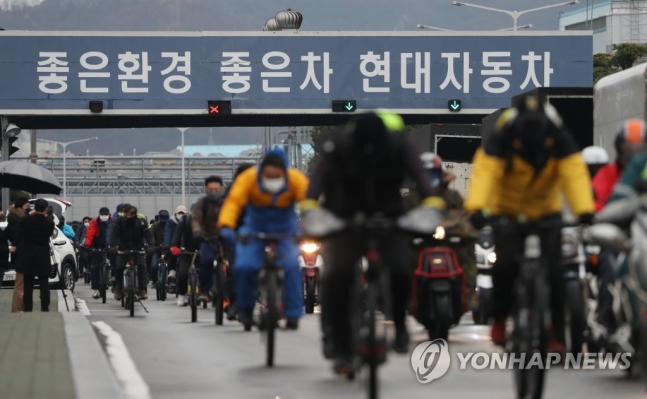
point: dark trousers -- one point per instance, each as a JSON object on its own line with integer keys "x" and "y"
{"x": 208, "y": 252}
{"x": 183, "y": 273}
{"x": 140, "y": 261}
{"x": 95, "y": 263}
{"x": 230, "y": 255}
{"x": 509, "y": 251}
{"x": 28, "y": 299}
{"x": 342, "y": 255}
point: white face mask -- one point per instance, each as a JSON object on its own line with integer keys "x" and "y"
{"x": 104, "y": 218}
{"x": 86, "y": 224}
{"x": 274, "y": 185}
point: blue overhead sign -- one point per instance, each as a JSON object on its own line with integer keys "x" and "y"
{"x": 180, "y": 72}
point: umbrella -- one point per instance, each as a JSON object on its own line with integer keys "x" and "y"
{"x": 26, "y": 176}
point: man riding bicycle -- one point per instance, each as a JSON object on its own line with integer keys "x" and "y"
{"x": 362, "y": 171}
{"x": 96, "y": 237}
{"x": 268, "y": 195}
{"x": 203, "y": 225}
{"x": 130, "y": 233}
{"x": 521, "y": 173}
{"x": 158, "y": 238}
{"x": 183, "y": 239}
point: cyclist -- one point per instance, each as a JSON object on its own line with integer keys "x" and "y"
{"x": 79, "y": 237}
{"x": 595, "y": 159}
{"x": 203, "y": 226}
{"x": 179, "y": 214}
{"x": 130, "y": 233}
{"x": 631, "y": 140}
{"x": 520, "y": 173}
{"x": 362, "y": 171}
{"x": 268, "y": 195}
{"x": 96, "y": 237}
{"x": 183, "y": 238}
{"x": 230, "y": 254}
{"x": 158, "y": 238}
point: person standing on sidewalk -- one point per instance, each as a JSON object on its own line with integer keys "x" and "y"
{"x": 34, "y": 261}
{"x": 4, "y": 247}
{"x": 14, "y": 221}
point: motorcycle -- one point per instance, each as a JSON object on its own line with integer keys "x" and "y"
{"x": 485, "y": 259}
{"x": 575, "y": 288}
{"x": 629, "y": 291}
{"x": 438, "y": 284}
{"x": 311, "y": 263}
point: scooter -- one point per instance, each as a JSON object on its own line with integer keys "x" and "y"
{"x": 311, "y": 263}
{"x": 438, "y": 284}
{"x": 485, "y": 259}
{"x": 575, "y": 288}
{"x": 629, "y": 291}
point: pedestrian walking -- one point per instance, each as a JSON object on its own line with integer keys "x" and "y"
{"x": 35, "y": 261}
{"x": 14, "y": 220}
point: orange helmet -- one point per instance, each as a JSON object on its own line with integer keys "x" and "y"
{"x": 631, "y": 140}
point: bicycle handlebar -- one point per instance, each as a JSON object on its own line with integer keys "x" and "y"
{"x": 131, "y": 252}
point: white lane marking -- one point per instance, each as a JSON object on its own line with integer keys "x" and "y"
{"x": 82, "y": 307}
{"x": 131, "y": 381}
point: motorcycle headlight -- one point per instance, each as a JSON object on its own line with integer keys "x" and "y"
{"x": 569, "y": 246}
{"x": 491, "y": 257}
{"x": 309, "y": 247}
{"x": 440, "y": 233}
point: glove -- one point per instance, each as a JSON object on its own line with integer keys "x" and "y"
{"x": 228, "y": 235}
{"x": 587, "y": 219}
{"x": 478, "y": 219}
{"x": 175, "y": 251}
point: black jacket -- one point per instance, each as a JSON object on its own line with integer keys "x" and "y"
{"x": 13, "y": 228}
{"x": 130, "y": 237}
{"x": 158, "y": 233}
{"x": 351, "y": 183}
{"x": 183, "y": 236}
{"x": 4, "y": 248}
{"x": 35, "y": 256}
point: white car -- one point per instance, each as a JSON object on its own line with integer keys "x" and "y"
{"x": 64, "y": 256}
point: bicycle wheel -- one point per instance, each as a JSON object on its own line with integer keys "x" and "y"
{"x": 271, "y": 315}
{"x": 530, "y": 338}
{"x": 131, "y": 292}
{"x": 218, "y": 293}
{"x": 193, "y": 297}
{"x": 371, "y": 339}
{"x": 103, "y": 284}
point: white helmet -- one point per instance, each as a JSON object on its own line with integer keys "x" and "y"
{"x": 595, "y": 155}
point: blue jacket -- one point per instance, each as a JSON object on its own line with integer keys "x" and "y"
{"x": 168, "y": 231}
{"x": 68, "y": 231}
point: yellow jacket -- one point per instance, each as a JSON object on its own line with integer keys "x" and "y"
{"x": 519, "y": 190}
{"x": 264, "y": 212}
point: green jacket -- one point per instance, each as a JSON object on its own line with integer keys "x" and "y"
{"x": 632, "y": 178}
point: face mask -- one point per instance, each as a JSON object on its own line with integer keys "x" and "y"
{"x": 179, "y": 216}
{"x": 274, "y": 185}
{"x": 86, "y": 224}
{"x": 104, "y": 218}
{"x": 214, "y": 195}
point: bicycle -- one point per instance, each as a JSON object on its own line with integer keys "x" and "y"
{"x": 131, "y": 281}
{"x": 219, "y": 291}
{"x": 532, "y": 306}
{"x": 370, "y": 292}
{"x": 160, "y": 287}
{"x": 193, "y": 290}
{"x": 104, "y": 273}
{"x": 270, "y": 289}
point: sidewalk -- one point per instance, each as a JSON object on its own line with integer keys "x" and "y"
{"x": 34, "y": 361}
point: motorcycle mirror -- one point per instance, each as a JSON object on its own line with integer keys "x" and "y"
{"x": 608, "y": 236}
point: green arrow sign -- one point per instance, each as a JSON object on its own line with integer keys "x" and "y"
{"x": 454, "y": 105}
{"x": 350, "y": 106}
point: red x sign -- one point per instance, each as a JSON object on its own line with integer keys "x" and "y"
{"x": 214, "y": 109}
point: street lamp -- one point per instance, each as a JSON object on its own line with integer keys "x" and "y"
{"x": 182, "y": 130}
{"x": 514, "y": 14}
{"x": 420, "y": 26}
{"x": 64, "y": 145}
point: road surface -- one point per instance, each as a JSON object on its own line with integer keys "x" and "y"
{"x": 178, "y": 358}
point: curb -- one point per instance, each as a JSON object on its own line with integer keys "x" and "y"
{"x": 93, "y": 377}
